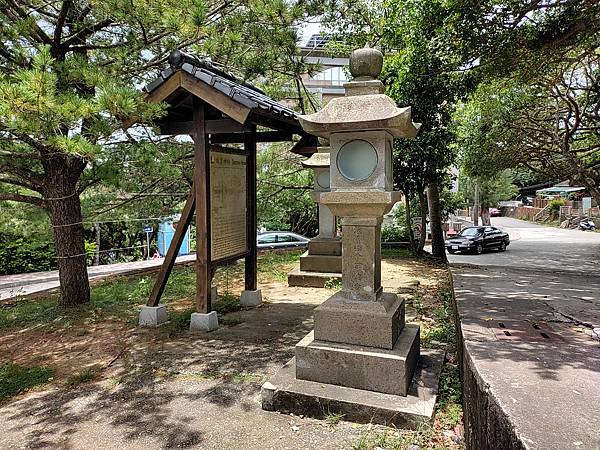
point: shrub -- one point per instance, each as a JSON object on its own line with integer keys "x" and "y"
{"x": 20, "y": 255}
{"x": 90, "y": 252}
{"x": 393, "y": 234}
{"x": 554, "y": 207}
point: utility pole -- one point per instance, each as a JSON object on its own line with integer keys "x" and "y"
{"x": 476, "y": 205}
{"x": 97, "y": 251}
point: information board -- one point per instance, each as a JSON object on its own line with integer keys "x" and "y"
{"x": 228, "y": 205}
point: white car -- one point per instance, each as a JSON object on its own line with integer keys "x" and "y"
{"x": 280, "y": 239}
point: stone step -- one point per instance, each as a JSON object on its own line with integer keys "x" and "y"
{"x": 301, "y": 278}
{"x": 286, "y": 394}
{"x": 320, "y": 263}
{"x": 331, "y": 247}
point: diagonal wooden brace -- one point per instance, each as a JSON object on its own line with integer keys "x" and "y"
{"x": 169, "y": 262}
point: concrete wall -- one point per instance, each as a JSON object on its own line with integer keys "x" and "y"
{"x": 520, "y": 212}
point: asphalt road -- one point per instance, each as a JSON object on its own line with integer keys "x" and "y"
{"x": 33, "y": 283}
{"x": 560, "y": 268}
{"x": 539, "y": 388}
{"x": 538, "y": 247}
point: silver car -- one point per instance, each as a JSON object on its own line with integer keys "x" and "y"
{"x": 280, "y": 239}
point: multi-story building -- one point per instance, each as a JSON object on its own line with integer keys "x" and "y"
{"x": 328, "y": 83}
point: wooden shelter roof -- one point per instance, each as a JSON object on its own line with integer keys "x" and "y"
{"x": 227, "y": 98}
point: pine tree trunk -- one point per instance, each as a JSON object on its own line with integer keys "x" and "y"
{"x": 64, "y": 208}
{"x": 438, "y": 249}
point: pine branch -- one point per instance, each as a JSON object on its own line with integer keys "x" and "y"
{"x": 30, "y": 179}
{"x": 10, "y": 196}
{"x": 23, "y": 15}
{"x": 85, "y": 32}
{"x": 19, "y": 155}
{"x": 60, "y": 21}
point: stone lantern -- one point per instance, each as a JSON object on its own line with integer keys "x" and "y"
{"x": 360, "y": 340}
{"x": 323, "y": 260}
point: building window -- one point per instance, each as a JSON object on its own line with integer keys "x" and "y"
{"x": 334, "y": 76}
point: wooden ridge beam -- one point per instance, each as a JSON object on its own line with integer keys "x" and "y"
{"x": 216, "y": 126}
{"x": 264, "y": 136}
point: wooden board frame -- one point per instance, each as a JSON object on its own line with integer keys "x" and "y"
{"x": 237, "y": 125}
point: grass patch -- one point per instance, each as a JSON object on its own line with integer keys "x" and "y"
{"x": 231, "y": 321}
{"x": 441, "y": 333}
{"x": 243, "y": 378}
{"x": 396, "y": 253}
{"x": 449, "y": 407}
{"x": 114, "y": 299}
{"x": 332, "y": 418}
{"x": 417, "y": 303}
{"x": 84, "y": 376}
{"x": 179, "y": 322}
{"x": 15, "y": 379}
{"x": 394, "y": 439}
{"x": 274, "y": 266}
{"x": 335, "y": 284}
{"x": 119, "y": 298}
{"x": 227, "y": 303}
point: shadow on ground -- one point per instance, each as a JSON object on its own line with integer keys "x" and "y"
{"x": 566, "y": 305}
{"x": 156, "y": 377}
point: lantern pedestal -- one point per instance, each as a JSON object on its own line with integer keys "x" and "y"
{"x": 323, "y": 260}
{"x": 360, "y": 367}
{"x": 288, "y": 394}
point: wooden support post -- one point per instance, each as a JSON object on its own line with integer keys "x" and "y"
{"x": 167, "y": 265}
{"x": 202, "y": 188}
{"x": 251, "y": 260}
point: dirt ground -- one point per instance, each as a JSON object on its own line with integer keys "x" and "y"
{"x": 155, "y": 390}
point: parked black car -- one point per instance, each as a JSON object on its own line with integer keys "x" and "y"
{"x": 478, "y": 239}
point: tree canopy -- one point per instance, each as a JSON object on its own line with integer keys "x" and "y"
{"x": 69, "y": 81}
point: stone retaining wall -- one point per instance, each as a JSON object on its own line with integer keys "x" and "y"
{"x": 486, "y": 424}
{"x": 520, "y": 212}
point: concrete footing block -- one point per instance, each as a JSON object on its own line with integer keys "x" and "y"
{"x": 251, "y": 298}
{"x": 204, "y": 322}
{"x": 153, "y": 316}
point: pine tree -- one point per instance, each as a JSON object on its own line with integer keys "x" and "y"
{"x": 69, "y": 77}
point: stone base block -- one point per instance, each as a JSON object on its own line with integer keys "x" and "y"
{"x": 367, "y": 368}
{"x": 153, "y": 316}
{"x": 330, "y": 247}
{"x": 374, "y": 324}
{"x": 298, "y": 277}
{"x": 251, "y": 298}
{"x": 320, "y": 263}
{"x": 286, "y": 394}
{"x": 204, "y": 322}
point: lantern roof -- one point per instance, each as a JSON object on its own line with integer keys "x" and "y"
{"x": 365, "y": 107}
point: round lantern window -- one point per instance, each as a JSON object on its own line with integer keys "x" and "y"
{"x": 357, "y": 160}
{"x": 323, "y": 179}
